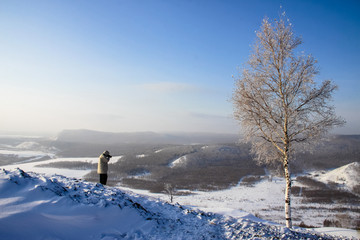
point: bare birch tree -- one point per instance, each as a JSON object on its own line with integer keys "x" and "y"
{"x": 170, "y": 190}
{"x": 279, "y": 105}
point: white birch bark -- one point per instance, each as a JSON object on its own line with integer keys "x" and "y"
{"x": 287, "y": 194}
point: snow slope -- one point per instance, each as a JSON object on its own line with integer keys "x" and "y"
{"x": 35, "y": 206}
{"x": 181, "y": 161}
{"x": 348, "y": 176}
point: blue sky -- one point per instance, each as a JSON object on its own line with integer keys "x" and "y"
{"x": 156, "y": 65}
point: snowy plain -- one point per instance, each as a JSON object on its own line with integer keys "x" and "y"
{"x": 234, "y": 208}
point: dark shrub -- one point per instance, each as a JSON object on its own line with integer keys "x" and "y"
{"x": 332, "y": 223}
{"x": 303, "y": 225}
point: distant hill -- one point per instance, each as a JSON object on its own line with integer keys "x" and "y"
{"x": 347, "y": 176}
{"x": 334, "y": 152}
{"x": 96, "y": 137}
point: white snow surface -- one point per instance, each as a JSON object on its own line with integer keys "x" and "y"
{"x": 29, "y": 153}
{"x": 35, "y": 206}
{"x": 348, "y": 175}
{"x": 73, "y": 173}
{"x": 33, "y": 166}
{"x": 181, "y": 161}
{"x": 28, "y": 145}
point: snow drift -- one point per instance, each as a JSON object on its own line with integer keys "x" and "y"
{"x": 34, "y": 206}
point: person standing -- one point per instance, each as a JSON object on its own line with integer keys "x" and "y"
{"x": 103, "y": 166}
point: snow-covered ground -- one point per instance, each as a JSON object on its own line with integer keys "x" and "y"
{"x": 29, "y": 150}
{"x": 237, "y": 205}
{"x": 35, "y": 206}
{"x": 181, "y": 161}
{"x": 265, "y": 199}
{"x": 34, "y": 166}
{"x": 347, "y": 176}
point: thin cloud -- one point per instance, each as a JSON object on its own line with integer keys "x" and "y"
{"x": 166, "y": 87}
{"x": 207, "y": 116}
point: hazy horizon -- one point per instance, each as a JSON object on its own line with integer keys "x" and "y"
{"x": 49, "y": 134}
{"x": 160, "y": 66}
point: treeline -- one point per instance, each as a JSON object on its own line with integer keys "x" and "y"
{"x": 331, "y": 153}
{"x": 206, "y": 168}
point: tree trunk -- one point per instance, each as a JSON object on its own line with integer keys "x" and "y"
{"x": 287, "y": 193}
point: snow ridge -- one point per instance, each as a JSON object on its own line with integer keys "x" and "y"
{"x": 57, "y": 207}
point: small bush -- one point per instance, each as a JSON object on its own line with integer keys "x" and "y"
{"x": 257, "y": 215}
{"x": 357, "y": 225}
{"x": 356, "y": 189}
{"x": 303, "y": 225}
{"x": 332, "y": 223}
